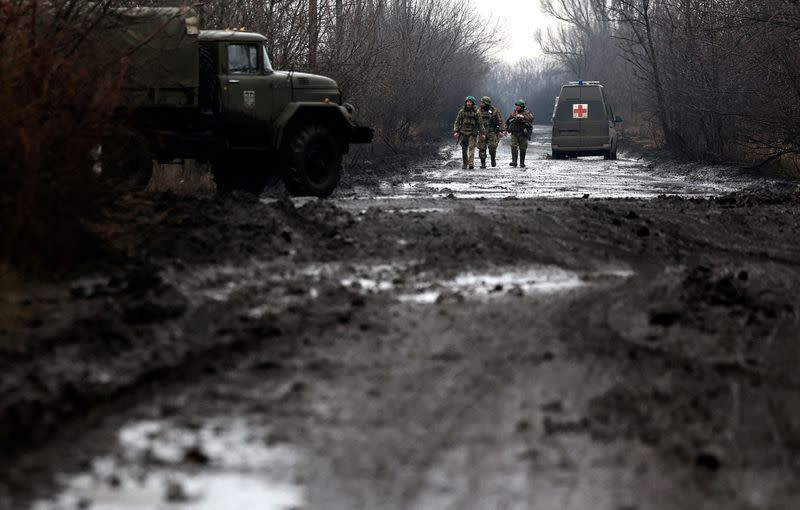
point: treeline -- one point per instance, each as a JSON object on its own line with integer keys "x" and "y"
{"x": 56, "y": 105}
{"x": 405, "y": 64}
{"x": 714, "y": 80}
{"x": 537, "y": 81}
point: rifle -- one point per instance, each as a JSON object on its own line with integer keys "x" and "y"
{"x": 527, "y": 128}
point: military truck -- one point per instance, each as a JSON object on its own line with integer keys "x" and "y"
{"x": 213, "y": 95}
{"x": 583, "y": 122}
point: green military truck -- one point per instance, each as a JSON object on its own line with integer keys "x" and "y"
{"x": 213, "y": 96}
{"x": 583, "y": 122}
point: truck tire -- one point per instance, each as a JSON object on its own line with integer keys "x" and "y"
{"x": 314, "y": 162}
{"x": 127, "y": 159}
{"x": 222, "y": 177}
{"x": 234, "y": 172}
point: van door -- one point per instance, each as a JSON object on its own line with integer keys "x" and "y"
{"x": 594, "y": 126}
{"x": 566, "y": 129}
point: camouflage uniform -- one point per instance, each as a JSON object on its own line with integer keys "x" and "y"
{"x": 469, "y": 124}
{"x": 493, "y": 121}
{"x": 519, "y": 129}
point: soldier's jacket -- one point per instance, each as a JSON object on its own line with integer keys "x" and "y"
{"x": 516, "y": 125}
{"x": 469, "y": 122}
{"x": 492, "y": 119}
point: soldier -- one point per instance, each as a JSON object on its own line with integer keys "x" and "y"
{"x": 493, "y": 121}
{"x": 520, "y": 125}
{"x": 468, "y": 126}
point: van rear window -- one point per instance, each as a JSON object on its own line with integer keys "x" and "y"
{"x": 590, "y": 94}
{"x": 596, "y": 110}
{"x": 570, "y": 93}
{"x": 564, "y": 110}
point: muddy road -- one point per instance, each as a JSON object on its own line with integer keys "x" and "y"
{"x": 579, "y": 334}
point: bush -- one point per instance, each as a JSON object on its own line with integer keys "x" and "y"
{"x": 56, "y": 105}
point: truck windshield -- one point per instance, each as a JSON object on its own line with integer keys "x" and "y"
{"x": 267, "y": 64}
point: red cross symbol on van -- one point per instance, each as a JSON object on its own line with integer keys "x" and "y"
{"x": 580, "y": 111}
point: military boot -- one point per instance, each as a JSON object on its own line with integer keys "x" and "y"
{"x": 483, "y": 162}
{"x": 522, "y": 158}
{"x": 513, "y": 156}
{"x": 493, "y": 155}
{"x": 464, "y": 158}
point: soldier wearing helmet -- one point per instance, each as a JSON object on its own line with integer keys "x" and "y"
{"x": 468, "y": 127}
{"x": 519, "y": 125}
{"x": 493, "y": 121}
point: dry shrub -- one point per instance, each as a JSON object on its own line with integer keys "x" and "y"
{"x": 187, "y": 178}
{"x": 642, "y": 132}
{"x": 56, "y": 103}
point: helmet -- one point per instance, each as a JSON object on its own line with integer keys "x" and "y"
{"x": 486, "y": 100}
{"x": 520, "y": 102}
{"x": 471, "y": 98}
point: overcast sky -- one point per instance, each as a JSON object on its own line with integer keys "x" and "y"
{"x": 521, "y": 18}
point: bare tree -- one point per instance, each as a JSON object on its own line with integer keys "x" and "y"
{"x": 715, "y": 77}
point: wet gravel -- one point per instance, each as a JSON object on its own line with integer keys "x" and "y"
{"x": 631, "y": 176}
{"x": 578, "y": 334}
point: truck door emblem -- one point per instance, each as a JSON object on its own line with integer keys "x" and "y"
{"x": 249, "y": 99}
{"x": 580, "y": 111}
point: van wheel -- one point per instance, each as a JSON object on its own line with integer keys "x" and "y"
{"x": 314, "y": 162}
{"x": 558, "y": 155}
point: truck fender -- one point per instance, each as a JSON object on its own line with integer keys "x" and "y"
{"x": 298, "y": 114}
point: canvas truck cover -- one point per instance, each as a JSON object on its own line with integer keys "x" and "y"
{"x": 159, "y": 49}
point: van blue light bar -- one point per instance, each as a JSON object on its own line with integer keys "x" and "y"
{"x": 585, "y": 82}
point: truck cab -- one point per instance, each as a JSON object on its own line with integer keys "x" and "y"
{"x": 213, "y": 95}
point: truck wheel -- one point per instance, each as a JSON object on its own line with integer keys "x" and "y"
{"x": 558, "y": 155}
{"x": 222, "y": 177}
{"x": 314, "y": 162}
{"x": 252, "y": 180}
{"x": 126, "y": 159}
{"x": 233, "y": 173}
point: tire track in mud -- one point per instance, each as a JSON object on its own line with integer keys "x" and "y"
{"x": 471, "y": 411}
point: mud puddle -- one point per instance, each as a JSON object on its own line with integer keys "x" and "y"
{"x": 265, "y": 287}
{"x": 424, "y": 288}
{"x": 160, "y": 465}
{"x": 627, "y": 177}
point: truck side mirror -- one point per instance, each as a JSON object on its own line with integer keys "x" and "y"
{"x": 617, "y": 119}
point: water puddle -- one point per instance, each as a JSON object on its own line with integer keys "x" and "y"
{"x": 264, "y": 288}
{"x": 159, "y": 465}
{"x": 546, "y": 177}
{"x": 417, "y": 210}
{"x": 517, "y": 282}
{"x": 422, "y": 288}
